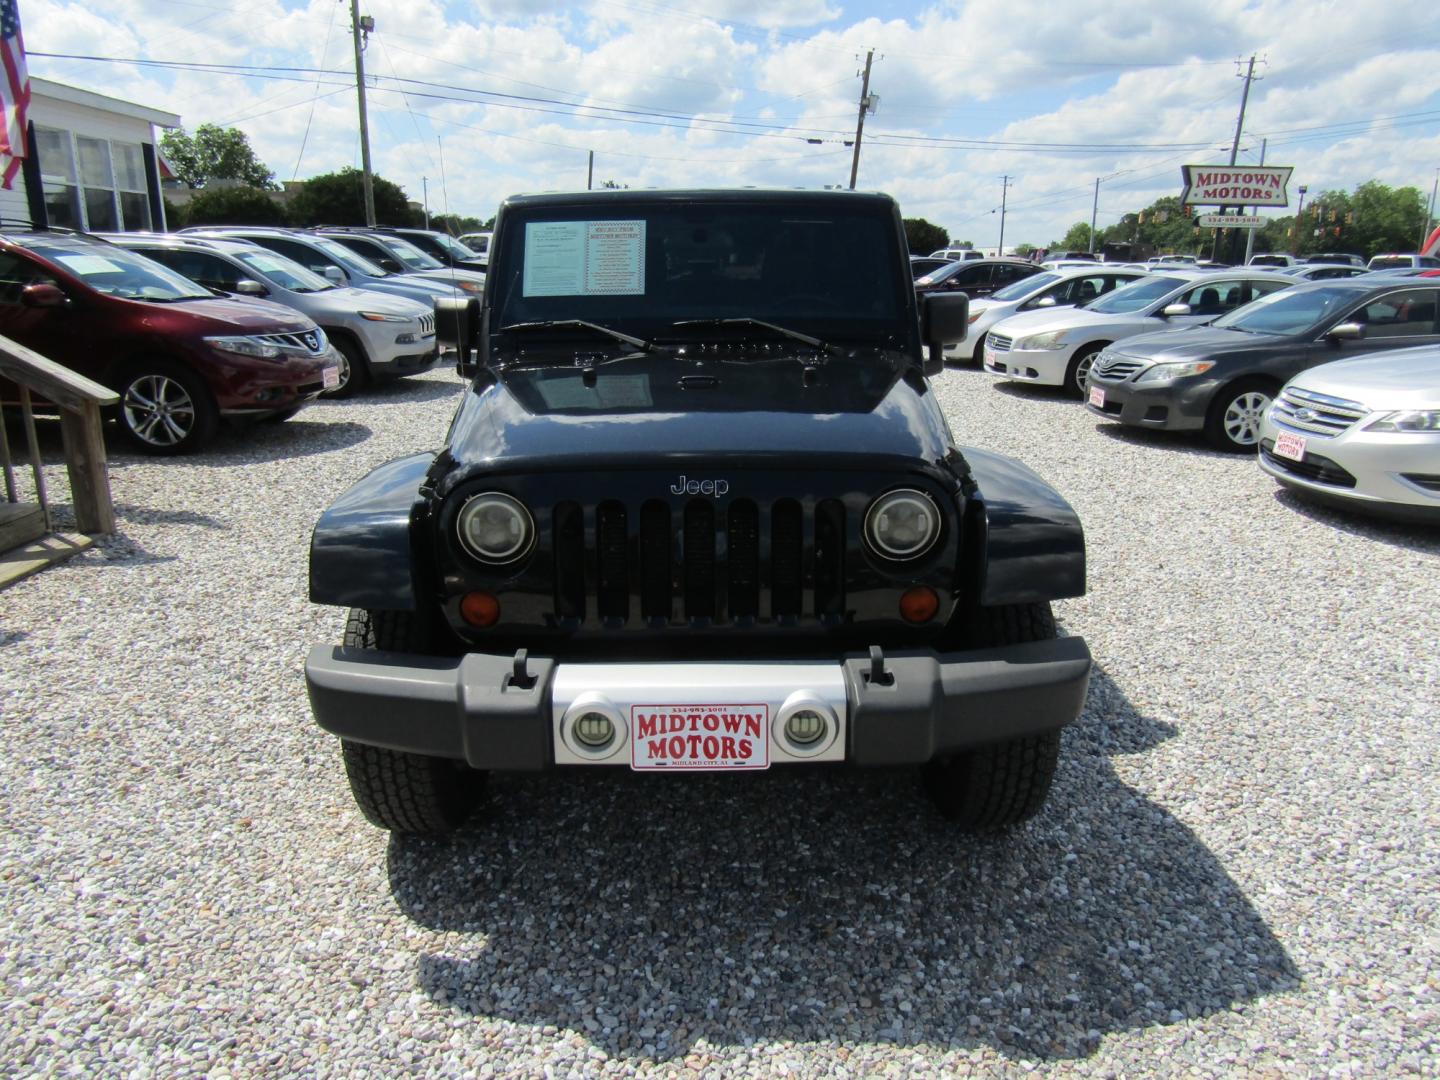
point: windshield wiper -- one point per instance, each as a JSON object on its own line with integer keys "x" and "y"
{"x": 551, "y": 324}
{"x": 784, "y": 331}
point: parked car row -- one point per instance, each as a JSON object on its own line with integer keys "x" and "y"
{"x": 255, "y": 323}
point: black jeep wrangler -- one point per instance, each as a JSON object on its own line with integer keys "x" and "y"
{"x": 698, "y": 510}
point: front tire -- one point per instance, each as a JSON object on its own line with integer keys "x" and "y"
{"x": 1002, "y": 784}
{"x": 1078, "y": 370}
{"x": 165, "y": 409}
{"x": 405, "y": 793}
{"x": 354, "y": 369}
{"x": 1233, "y": 422}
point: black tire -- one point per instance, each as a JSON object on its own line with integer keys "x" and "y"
{"x": 1233, "y": 422}
{"x": 1077, "y": 370}
{"x": 354, "y": 368}
{"x": 1002, "y": 784}
{"x": 165, "y": 409}
{"x": 405, "y": 793}
{"x": 977, "y": 355}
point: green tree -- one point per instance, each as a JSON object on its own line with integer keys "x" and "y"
{"x": 214, "y": 153}
{"x": 455, "y": 224}
{"x": 1024, "y": 251}
{"x": 339, "y": 199}
{"x": 235, "y": 206}
{"x": 176, "y": 216}
{"x": 1077, "y": 239}
{"x": 924, "y": 237}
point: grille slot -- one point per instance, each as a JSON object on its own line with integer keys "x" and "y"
{"x": 830, "y": 558}
{"x": 655, "y": 560}
{"x": 310, "y": 342}
{"x": 427, "y": 324}
{"x": 1319, "y": 469}
{"x": 569, "y": 523}
{"x": 786, "y": 543}
{"x": 742, "y": 536}
{"x": 1316, "y": 414}
{"x": 999, "y": 343}
{"x": 1117, "y": 367}
{"x": 613, "y": 598}
{"x": 699, "y": 560}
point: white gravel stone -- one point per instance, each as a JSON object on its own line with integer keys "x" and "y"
{"x": 1238, "y": 871}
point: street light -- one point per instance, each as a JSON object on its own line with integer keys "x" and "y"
{"x": 1300, "y": 219}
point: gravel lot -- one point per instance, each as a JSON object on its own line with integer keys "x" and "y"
{"x": 1238, "y": 871}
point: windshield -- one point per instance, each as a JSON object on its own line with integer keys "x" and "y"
{"x": 412, "y": 257}
{"x": 1025, "y": 286}
{"x": 1292, "y": 311}
{"x": 286, "y": 273}
{"x": 1136, "y": 295}
{"x": 943, "y": 272}
{"x": 454, "y": 247}
{"x": 830, "y": 268}
{"x": 1393, "y": 262}
{"x": 356, "y": 264}
{"x": 117, "y": 272}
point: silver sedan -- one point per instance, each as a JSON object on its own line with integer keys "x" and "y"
{"x": 1362, "y": 432}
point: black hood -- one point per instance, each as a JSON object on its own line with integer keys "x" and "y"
{"x": 661, "y": 409}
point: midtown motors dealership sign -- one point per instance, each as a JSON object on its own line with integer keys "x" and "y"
{"x": 1235, "y": 185}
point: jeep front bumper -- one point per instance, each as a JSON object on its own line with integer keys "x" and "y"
{"x": 510, "y": 713}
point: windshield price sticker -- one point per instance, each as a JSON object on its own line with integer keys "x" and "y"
{"x": 699, "y": 737}
{"x": 584, "y": 258}
{"x": 1289, "y": 445}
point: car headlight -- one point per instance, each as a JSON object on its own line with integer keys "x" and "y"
{"x": 1415, "y": 421}
{"x": 902, "y": 524}
{"x": 495, "y": 528}
{"x": 1053, "y": 340}
{"x": 1163, "y": 373}
{"x": 380, "y": 316}
{"x": 245, "y": 346}
{"x": 472, "y": 286}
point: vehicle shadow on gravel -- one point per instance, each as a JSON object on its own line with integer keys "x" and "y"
{"x": 1413, "y": 535}
{"x": 253, "y": 444}
{"x": 1182, "y": 442}
{"x": 648, "y": 914}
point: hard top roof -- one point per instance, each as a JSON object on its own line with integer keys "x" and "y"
{"x": 660, "y": 197}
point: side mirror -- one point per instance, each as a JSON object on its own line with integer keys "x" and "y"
{"x": 458, "y": 324}
{"x": 1345, "y": 331}
{"x": 1046, "y": 301}
{"x": 944, "y": 320}
{"x": 43, "y": 295}
{"x": 335, "y": 274}
{"x": 1172, "y": 310}
{"x": 248, "y": 287}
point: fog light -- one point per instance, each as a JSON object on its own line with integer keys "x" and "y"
{"x": 919, "y": 604}
{"x": 594, "y": 729}
{"x": 805, "y": 726}
{"x": 480, "y": 609}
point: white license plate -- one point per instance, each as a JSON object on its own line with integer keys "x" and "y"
{"x": 330, "y": 378}
{"x": 699, "y": 738}
{"x": 1289, "y": 445}
{"x": 1097, "y": 397}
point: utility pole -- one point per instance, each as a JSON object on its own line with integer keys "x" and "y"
{"x": 590, "y": 172}
{"x": 359, "y": 27}
{"x": 860, "y": 121}
{"x": 1004, "y": 189}
{"x": 1250, "y": 233}
{"x": 1239, "y": 126}
{"x": 425, "y": 198}
{"x": 1094, "y": 214}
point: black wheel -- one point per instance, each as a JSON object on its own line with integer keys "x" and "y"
{"x": 1233, "y": 422}
{"x": 1002, "y": 784}
{"x": 1079, "y": 370}
{"x": 354, "y": 369}
{"x": 978, "y": 356}
{"x": 395, "y": 790}
{"x": 165, "y": 409}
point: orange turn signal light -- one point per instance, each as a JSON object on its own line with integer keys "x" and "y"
{"x": 480, "y": 609}
{"x": 919, "y": 604}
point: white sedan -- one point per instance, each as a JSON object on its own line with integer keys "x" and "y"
{"x": 1363, "y": 432}
{"x": 1056, "y": 348}
{"x": 1061, "y": 287}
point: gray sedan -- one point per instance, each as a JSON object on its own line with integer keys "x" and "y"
{"x": 1221, "y": 378}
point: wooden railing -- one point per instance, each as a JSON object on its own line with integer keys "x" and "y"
{"x": 79, "y": 400}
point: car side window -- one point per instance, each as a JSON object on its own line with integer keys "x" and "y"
{"x": 372, "y": 251}
{"x": 1083, "y": 290}
{"x": 1409, "y": 314}
{"x": 974, "y": 275}
{"x": 16, "y": 274}
{"x": 1004, "y": 275}
{"x": 1209, "y": 297}
{"x": 199, "y": 267}
{"x": 307, "y": 257}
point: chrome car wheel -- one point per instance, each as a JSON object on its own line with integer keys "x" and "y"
{"x": 1242, "y": 417}
{"x": 158, "y": 411}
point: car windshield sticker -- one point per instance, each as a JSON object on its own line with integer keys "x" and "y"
{"x": 610, "y": 392}
{"x": 267, "y": 264}
{"x": 85, "y": 265}
{"x": 584, "y": 258}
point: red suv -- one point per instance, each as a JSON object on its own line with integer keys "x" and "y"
{"x": 179, "y": 356}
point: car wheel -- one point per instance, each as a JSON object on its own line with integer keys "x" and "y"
{"x": 1079, "y": 370}
{"x": 1233, "y": 423}
{"x": 405, "y": 793}
{"x": 165, "y": 409}
{"x": 1002, "y": 784}
{"x": 978, "y": 356}
{"x": 354, "y": 369}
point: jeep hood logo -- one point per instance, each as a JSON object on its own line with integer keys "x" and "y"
{"x": 685, "y": 486}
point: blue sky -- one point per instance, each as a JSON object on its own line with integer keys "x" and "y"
{"x": 511, "y": 96}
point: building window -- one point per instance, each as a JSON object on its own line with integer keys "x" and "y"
{"x": 97, "y": 185}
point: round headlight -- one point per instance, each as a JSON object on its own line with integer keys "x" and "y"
{"x": 495, "y": 528}
{"x": 902, "y": 524}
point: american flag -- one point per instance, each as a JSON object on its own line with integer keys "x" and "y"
{"x": 14, "y": 91}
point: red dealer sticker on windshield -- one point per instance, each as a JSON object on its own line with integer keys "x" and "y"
{"x": 706, "y": 737}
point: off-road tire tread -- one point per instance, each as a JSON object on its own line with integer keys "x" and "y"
{"x": 994, "y": 787}
{"x": 403, "y": 792}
